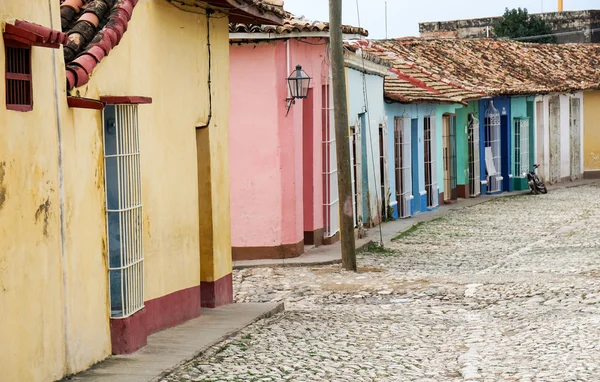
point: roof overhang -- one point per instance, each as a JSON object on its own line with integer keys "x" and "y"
{"x": 31, "y": 34}
{"x": 399, "y": 98}
{"x": 355, "y": 61}
{"x": 285, "y": 36}
{"x": 240, "y": 12}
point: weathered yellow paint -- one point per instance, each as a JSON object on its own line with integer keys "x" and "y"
{"x": 213, "y": 164}
{"x": 55, "y": 313}
{"x": 591, "y": 130}
{"x": 31, "y": 284}
{"x": 167, "y": 133}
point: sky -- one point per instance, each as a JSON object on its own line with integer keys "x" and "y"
{"x": 404, "y": 15}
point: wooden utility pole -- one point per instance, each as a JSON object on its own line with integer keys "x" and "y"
{"x": 340, "y": 108}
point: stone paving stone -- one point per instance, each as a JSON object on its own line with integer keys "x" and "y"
{"x": 508, "y": 290}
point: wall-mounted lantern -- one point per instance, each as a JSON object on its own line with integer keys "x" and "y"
{"x": 298, "y": 82}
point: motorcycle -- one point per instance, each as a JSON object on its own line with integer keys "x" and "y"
{"x": 535, "y": 183}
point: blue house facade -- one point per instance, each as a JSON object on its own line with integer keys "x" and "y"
{"x": 413, "y": 139}
{"x": 368, "y": 134}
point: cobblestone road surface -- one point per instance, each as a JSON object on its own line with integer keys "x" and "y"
{"x": 508, "y": 290}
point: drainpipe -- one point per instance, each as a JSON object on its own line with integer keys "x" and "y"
{"x": 61, "y": 201}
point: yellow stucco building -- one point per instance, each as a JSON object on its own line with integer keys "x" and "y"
{"x": 114, "y": 182}
{"x": 591, "y": 134}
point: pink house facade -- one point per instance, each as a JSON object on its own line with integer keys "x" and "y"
{"x": 282, "y": 166}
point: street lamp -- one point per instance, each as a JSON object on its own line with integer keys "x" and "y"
{"x": 298, "y": 82}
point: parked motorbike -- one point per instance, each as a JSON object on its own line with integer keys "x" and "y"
{"x": 535, "y": 183}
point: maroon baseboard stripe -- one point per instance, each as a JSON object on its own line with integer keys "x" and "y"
{"x": 284, "y": 251}
{"x": 217, "y": 293}
{"x": 130, "y": 334}
{"x": 173, "y": 309}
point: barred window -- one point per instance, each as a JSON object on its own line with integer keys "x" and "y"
{"x": 124, "y": 210}
{"x": 18, "y": 77}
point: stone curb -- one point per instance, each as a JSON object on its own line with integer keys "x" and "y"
{"x": 299, "y": 265}
{"x": 277, "y": 309}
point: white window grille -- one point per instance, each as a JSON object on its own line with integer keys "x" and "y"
{"x": 493, "y": 158}
{"x": 359, "y": 171}
{"x": 355, "y": 160}
{"x": 330, "y": 171}
{"x": 474, "y": 162}
{"x": 353, "y": 173}
{"x": 402, "y": 154}
{"x": 521, "y": 147}
{"x": 575, "y": 135}
{"x": 431, "y": 181}
{"x": 554, "y": 136}
{"x": 383, "y": 166}
{"x": 124, "y": 210}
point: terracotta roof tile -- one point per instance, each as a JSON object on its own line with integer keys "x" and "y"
{"x": 93, "y": 27}
{"x": 407, "y": 84}
{"x": 499, "y": 67}
{"x": 271, "y": 6}
{"x": 293, "y": 24}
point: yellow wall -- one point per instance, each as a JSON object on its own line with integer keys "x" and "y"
{"x": 591, "y": 130}
{"x": 31, "y": 288}
{"x": 161, "y": 45}
{"x": 59, "y": 325}
{"x": 213, "y": 164}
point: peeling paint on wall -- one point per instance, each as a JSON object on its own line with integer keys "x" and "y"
{"x": 43, "y": 211}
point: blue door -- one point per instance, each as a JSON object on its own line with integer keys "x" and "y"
{"x": 415, "y": 165}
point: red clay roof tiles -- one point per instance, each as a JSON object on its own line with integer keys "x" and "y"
{"x": 407, "y": 84}
{"x": 293, "y": 24}
{"x": 94, "y": 27}
{"x": 501, "y": 67}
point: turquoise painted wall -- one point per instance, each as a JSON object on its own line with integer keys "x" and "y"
{"x": 519, "y": 109}
{"x": 462, "y": 140}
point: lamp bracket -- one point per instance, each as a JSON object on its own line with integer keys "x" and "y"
{"x": 290, "y": 101}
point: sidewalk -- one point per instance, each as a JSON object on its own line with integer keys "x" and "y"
{"x": 172, "y": 347}
{"x": 332, "y": 254}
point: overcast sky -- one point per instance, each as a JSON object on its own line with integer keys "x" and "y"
{"x": 404, "y": 15}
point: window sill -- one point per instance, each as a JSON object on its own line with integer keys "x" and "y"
{"x": 20, "y": 108}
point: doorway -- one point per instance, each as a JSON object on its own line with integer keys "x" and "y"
{"x": 554, "y": 138}
{"x": 474, "y": 170}
{"x": 575, "y": 137}
{"x": 493, "y": 157}
{"x": 431, "y": 183}
{"x": 383, "y": 174}
{"x": 414, "y": 149}
{"x": 449, "y": 152}
{"x": 539, "y": 136}
{"x": 402, "y": 155}
{"x": 357, "y": 171}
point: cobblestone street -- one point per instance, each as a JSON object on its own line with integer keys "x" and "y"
{"x": 508, "y": 290}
